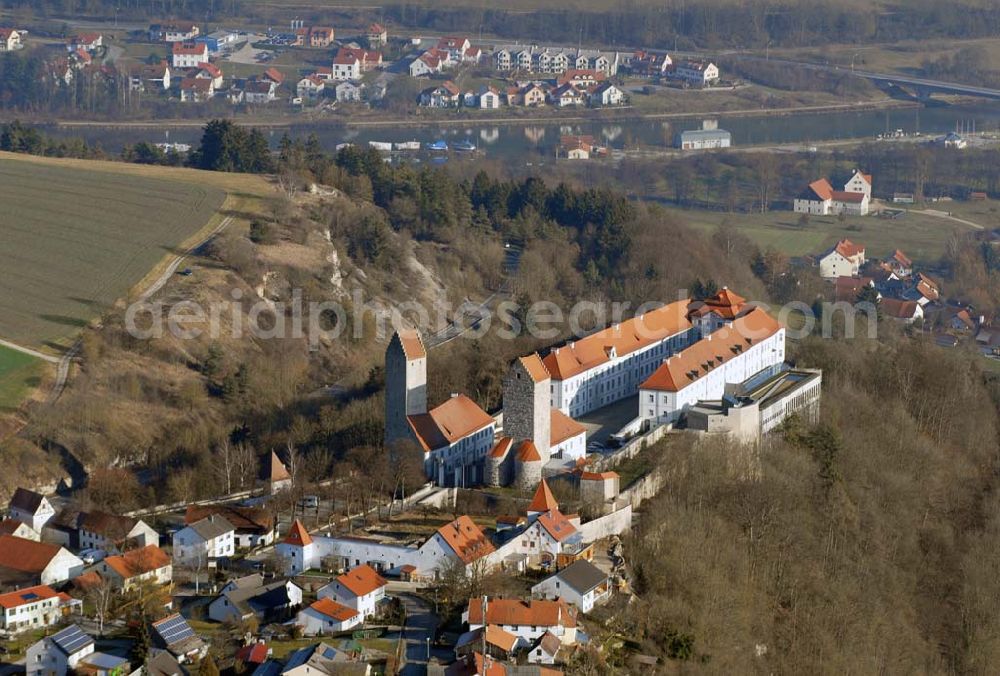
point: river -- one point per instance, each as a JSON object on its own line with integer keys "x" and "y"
{"x": 528, "y": 142}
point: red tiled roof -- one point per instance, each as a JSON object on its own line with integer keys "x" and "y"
{"x": 453, "y": 420}
{"x": 376, "y": 28}
{"x": 543, "y": 500}
{"x": 535, "y": 368}
{"x": 528, "y": 452}
{"x": 274, "y": 75}
{"x": 298, "y": 535}
{"x": 332, "y": 609}
{"x": 690, "y": 364}
{"x": 901, "y": 258}
{"x": 8, "y": 526}
{"x": 898, "y": 309}
{"x": 632, "y": 334}
{"x": 138, "y": 561}
{"x": 24, "y": 555}
{"x": 466, "y": 539}
{"x": 852, "y": 197}
{"x": 822, "y": 189}
{"x": 598, "y": 476}
{"x": 361, "y": 580}
{"x": 515, "y": 612}
{"x": 25, "y": 596}
{"x": 255, "y": 653}
{"x": 562, "y": 427}
{"x": 211, "y": 69}
{"x": 501, "y": 447}
{"x": 557, "y": 525}
{"x": 849, "y": 249}
{"x": 190, "y": 48}
{"x": 412, "y": 343}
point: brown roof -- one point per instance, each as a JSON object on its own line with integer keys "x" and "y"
{"x": 727, "y": 304}
{"x": 501, "y": 447}
{"x": 138, "y": 561}
{"x": 598, "y": 476}
{"x": 25, "y": 500}
{"x": 9, "y": 526}
{"x": 275, "y": 469}
{"x": 632, "y": 334}
{"x": 26, "y": 556}
{"x": 901, "y": 258}
{"x": 330, "y": 608}
{"x": 109, "y": 525}
{"x": 822, "y": 189}
{"x": 453, "y": 420}
{"x": 190, "y": 48}
{"x": 361, "y": 580}
{"x": 535, "y": 368}
{"x": 376, "y": 28}
{"x": 412, "y": 343}
{"x": 562, "y": 427}
{"x": 847, "y": 288}
{"x": 466, "y": 539}
{"x": 543, "y": 501}
{"x": 298, "y": 535}
{"x": 528, "y": 452}
{"x": 853, "y": 197}
{"x": 197, "y": 84}
{"x": 23, "y": 597}
{"x": 500, "y": 638}
{"x": 898, "y": 309}
{"x": 690, "y": 364}
{"x": 847, "y": 248}
{"x": 243, "y": 519}
{"x": 515, "y": 612}
{"x": 557, "y": 525}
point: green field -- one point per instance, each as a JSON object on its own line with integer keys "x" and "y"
{"x": 77, "y": 239}
{"x": 19, "y": 374}
{"x": 922, "y": 237}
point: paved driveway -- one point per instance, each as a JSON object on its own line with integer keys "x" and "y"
{"x": 420, "y": 625}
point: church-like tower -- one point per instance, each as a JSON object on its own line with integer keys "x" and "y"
{"x": 405, "y": 383}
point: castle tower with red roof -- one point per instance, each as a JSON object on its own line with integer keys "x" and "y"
{"x": 405, "y": 383}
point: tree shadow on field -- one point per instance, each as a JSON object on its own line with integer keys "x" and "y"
{"x": 75, "y": 322}
{"x": 95, "y": 305}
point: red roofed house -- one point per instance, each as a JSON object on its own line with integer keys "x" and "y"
{"x": 820, "y": 199}
{"x": 189, "y": 54}
{"x": 733, "y": 353}
{"x": 207, "y": 71}
{"x": 906, "y": 311}
{"x": 360, "y": 588}
{"x": 273, "y": 75}
{"x": 327, "y": 616}
{"x": 10, "y": 39}
{"x": 88, "y": 42}
{"x": 528, "y": 620}
{"x": 148, "y": 564}
{"x": 444, "y": 95}
{"x": 900, "y": 264}
{"x": 378, "y": 36}
{"x": 314, "y": 36}
{"x": 29, "y": 562}
{"x": 346, "y": 66}
{"x": 845, "y": 259}
{"x": 196, "y": 90}
{"x": 456, "y": 47}
{"x": 34, "y": 608}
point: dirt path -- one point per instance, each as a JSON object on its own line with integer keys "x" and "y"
{"x": 28, "y": 351}
{"x": 946, "y": 215}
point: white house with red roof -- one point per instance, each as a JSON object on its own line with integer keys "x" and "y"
{"x": 311, "y": 87}
{"x": 10, "y": 39}
{"x": 34, "y": 608}
{"x": 136, "y": 566}
{"x": 845, "y": 259}
{"x": 27, "y": 561}
{"x": 189, "y": 54}
{"x": 327, "y": 616}
{"x": 346, "y": 66}
{"x": 207, "y": 71}
{"x": 30, "y": 508}
{"x": 88, "y": 42}
{"x": 460, "y": 541}
{"x": 528, "y": 620}
{"x": 696, "y": 72}
{"x": 820, "y": 199}
{"x": 360, "y": 588}
{"x": 378, "y": 36}
{"x": 456, "y": 47}
{"x": 752, "y": 343}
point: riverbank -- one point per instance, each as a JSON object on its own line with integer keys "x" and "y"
{"x": 602, "y": 115}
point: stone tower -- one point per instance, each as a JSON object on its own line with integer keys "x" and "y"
{"x": 527, "y": 403}
{"x": 405, "y": 383}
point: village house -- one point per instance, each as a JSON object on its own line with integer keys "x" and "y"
{"x": 378, "y": 36}
{"x": 708, "y": 137}
{"x": 697, "y": 73}
{"x": 157, "y": 76}
{"x": 19, "y": 529}
{"x": 360, "y": 588}
{"x": 444, "y": 95}
{"x": 531, "y": 95}
{"x": 265, "y": 91}
{"x": 460, "y": 541}
{"x": 905, "y": 311}
{"x": 188, "y": 54}
{"x": 455, "y": 47}
{"x": 899, "y": 263}
{"x": 320, "y": 659}
{"x": 488, "y": 98}
{"x": 580, "y": 78}
{"x": 30, "y": 508}
{"x": 81, "y": 58}
{"x": 845, "y": 259}
{"x": 111, "y": 533}
{"x": 135, "y": 567}
{"x": 576, "y": 147}
{"x": 432, "y": 61}
{"x": 310, "y": 88}
{"x": 10, "y": 39}
{"x": 317, "y": 37}
{"x": 498, "y": 644}
{"x": 196, "y": 90}
{"x": 326, "y": 616}
{"x": 607, "y": 94}
{"x": 87, "y": 42}
{"x": 566, "y": 95}
{"x": 173, "y": 634}
{"x": 249, "y": 596}
{"x": 219, "y": 40}
{"x": 25, "y": 562}
{"x": 254, "y": 526}
{"x": 183, "y": 31}
{"x": 649, "y": 65}
{"x": 207, "y": 71}
{"x": 581, "y": 583}
{"x": 528, "y": 620}
{"x": 819, "y": 198}
{"x": 346, "y": 66}
{"x": 347, "y": 92}
{"x": 203, "y": 542}
{"x": 59, "y": 654}
{"x": 370, "y": 59}
{"x": 34, "y": 608}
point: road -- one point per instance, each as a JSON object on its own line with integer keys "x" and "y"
{"x": 418, "y": 634}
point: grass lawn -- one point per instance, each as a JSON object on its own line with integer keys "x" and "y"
{"x": 993, "y": 365}
{"x": 81, "y": 235}
{"x": 19, "y": 374}
{"x": 921, "y": 236}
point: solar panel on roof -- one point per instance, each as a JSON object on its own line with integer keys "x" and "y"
{"x": 174, "y": 630}
{"x": 71, "y": 639}
{"x": 329, "y": 653}
{"x": 30, "y": 596}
